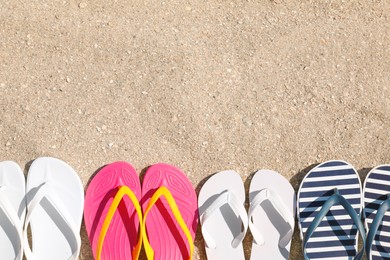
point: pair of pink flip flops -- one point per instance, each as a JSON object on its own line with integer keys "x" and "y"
{"x": 116, "y": 226}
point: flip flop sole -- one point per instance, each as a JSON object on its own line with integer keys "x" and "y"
{"x": 336, "y": 235}
{"x": 376, "y": 189}
{"x": 50, "y": 237}
{"x": 13, "y": 183}
{"x": 122, "y": 234}
{"x": 224, "y": 225}
{"x": 165, "y": 236}
{"x": 268, "y": 220}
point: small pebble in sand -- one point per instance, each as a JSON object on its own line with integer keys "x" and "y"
{"x": 82, "y": 5}
{"x": 8, "y": 143}
{"x": 247, "y": 121}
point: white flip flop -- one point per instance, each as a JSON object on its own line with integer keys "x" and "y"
{"x": 271, "y": 215}
{"x": 12, "y": 210}
{"x": 223, "y": 216}
{"x": 55, "y": 201}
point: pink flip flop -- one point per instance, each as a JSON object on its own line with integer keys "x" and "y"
{"x": 170, "y": 209}
{"x": 112, "y": 212}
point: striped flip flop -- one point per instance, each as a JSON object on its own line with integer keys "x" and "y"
{"x": 329, "y": 206}
{"x": 377, "y": 213}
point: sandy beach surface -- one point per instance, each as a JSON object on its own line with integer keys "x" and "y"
{"x": 206, "y": 86}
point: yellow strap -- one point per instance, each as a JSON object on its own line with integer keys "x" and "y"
{"x": 123, "y": 190}
{"x": 163, "y": 191}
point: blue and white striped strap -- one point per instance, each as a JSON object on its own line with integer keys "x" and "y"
{"x": 336, "y": 198}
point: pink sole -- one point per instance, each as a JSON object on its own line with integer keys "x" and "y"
{"x": 122, "y": 234}
{"x": 165, "y": 236}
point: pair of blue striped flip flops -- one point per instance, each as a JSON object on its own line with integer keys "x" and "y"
{"x": 330, "y": 203}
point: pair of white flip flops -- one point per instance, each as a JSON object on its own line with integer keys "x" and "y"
{"x": 224, "y": 220}
{"x": 50, "y": 203}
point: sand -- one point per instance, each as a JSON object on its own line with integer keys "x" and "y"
{"x": 205, "y": 86}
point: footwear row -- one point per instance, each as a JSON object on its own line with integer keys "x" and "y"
{"x": 123, "y": 216}
{"x": 333, "y": 210}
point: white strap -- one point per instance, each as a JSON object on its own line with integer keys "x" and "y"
{"x": 280, "y": 207}
{"x": 225, "y": 198}
{"x": 10, "y": 212}
{"x": 41, "y": 194}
